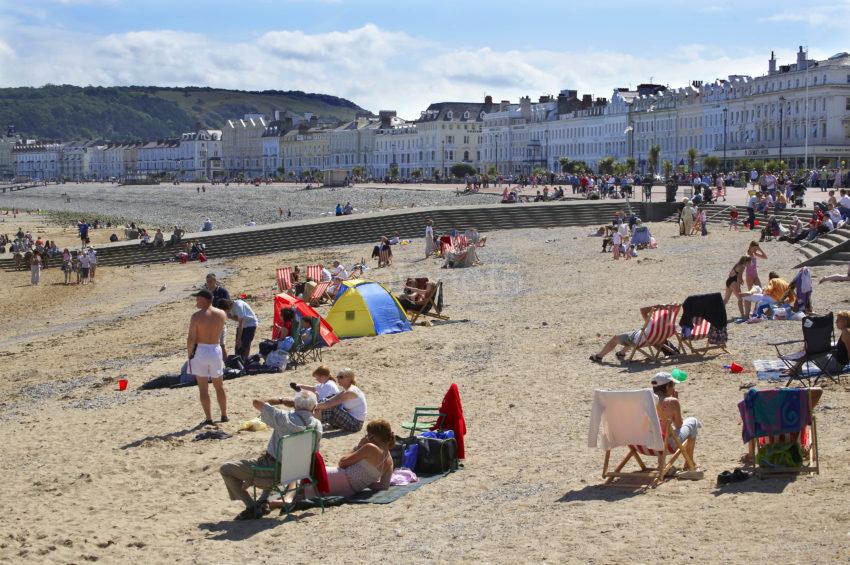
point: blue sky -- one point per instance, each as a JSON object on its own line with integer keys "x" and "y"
{"x": 404, "y": 54}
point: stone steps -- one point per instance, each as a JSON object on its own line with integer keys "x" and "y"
{"x": 409, "y": 223}
{"x": 829, "y": 249}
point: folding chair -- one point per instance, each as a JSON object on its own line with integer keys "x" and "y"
{"x": 659, "y": 327}
{"x": 318, "y": 293}
{"x": 284, "y": 278}
{"x": 780, "y": 420}
{"x": 818, "y": 334}
{"x": 446, "y": 245}
{"x": 424, "y": 418}
{"x": 312, "y": 350}
{"x": 296, "y": 456}
{"x": 629, "y": 419}
{"x": 699, "y": 333}
{"x": 433, "y": 304}
{"x": 314, "y": 272}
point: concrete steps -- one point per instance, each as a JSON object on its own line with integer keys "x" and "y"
{"x": 829, "y": 249}
{"x": 409, "y": 223}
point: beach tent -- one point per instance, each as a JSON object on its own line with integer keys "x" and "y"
{"x": 363, "y": 308}
{"x": 303, "y": 309}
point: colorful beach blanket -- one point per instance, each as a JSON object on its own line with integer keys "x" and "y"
{"x": 773, "y": 412}
{"x": 771, "y": 370}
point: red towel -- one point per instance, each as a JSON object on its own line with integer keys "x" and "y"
{"x": 322, "y": 485}
{"x": 453, "y": 410}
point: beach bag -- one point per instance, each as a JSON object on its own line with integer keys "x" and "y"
{"x": 402, "y": 448}
{"x": 254, "y": 364}
{"x": 717, "y": 336}
{"x": 277, "y": 359}
{"x": 267, "y": 346}
{"x": 780, "y": 455}
{"x": 234, "y": 362}
{"x": 436, "y": 455}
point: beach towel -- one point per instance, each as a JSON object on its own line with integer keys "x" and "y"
{"x": 453, "y": 420}
{"x": 773, "y": 412}
{"x": 706, "y": 306}
{"x": 369, "y": 496}
{"x": 622, "y": 418}
{"x": 772, "y": 370}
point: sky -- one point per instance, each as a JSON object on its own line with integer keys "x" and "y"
{"x": 405, "y": 54}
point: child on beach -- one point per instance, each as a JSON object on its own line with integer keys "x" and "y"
{"x": 733, "y": 219}
{"x": 616, "y": 242}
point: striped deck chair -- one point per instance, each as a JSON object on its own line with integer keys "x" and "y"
{"x": 621, "y": 419}
{"x": 284, "y": 278}
{"x": 314, "y": 272}
{"x": 806, "y": 438}
{"x": 659, "y": 327}
{"x": 433, "y": 304}
{"x": 700, "y": 332}
{"x": 446, "y": 245}
{"x": 318, "y": 293}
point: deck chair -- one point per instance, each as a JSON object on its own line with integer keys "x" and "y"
{"x": 424, "y": 418}
{"x": 699, "y": 333}
{"x": 296, "y": 456}
{"x": 817, "y": 343}
{"x": 314, "y": 272}
{"x": 302, "y": 352}
{"x": 659, "y": 327}
{"x": 318, "y": 293}
{"x": 629, "y": 419}
{"x": 284, "y": 278}
{"x": 433, "y": 304}
{"x": 779, "y": 425}
{"x": 446, "y": 245}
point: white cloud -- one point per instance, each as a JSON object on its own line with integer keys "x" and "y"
{"x": 373, "y": 67}
{"x": 834, "y": 15}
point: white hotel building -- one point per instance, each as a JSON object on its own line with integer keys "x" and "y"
{"x": 739, "y": 117}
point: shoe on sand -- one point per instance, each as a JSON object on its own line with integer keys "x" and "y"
{"x": 691, "y": 475}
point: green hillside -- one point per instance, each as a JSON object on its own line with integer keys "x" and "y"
{"x": 123, "y": 113}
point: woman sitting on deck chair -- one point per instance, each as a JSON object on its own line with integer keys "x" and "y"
{"x": 413, "y": 297}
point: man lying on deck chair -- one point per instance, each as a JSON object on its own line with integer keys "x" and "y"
{"x": 412, "y": 297}
{"x": 628, "y": 339}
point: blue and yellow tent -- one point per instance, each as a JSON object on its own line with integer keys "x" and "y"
{"x": 363, "y": 308}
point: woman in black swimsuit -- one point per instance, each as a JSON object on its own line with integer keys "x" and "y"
{"x": 734, "y": 281}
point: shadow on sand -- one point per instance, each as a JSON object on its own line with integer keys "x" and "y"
{"x": 238, "y": 530}
{"x": 163, "y": 437}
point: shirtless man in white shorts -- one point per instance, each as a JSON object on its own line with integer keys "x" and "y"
{"x": 204, "y": 349}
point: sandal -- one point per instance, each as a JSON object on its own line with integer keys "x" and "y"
{"x": 596, "y": 359}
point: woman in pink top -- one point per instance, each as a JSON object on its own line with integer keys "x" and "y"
{"x": 754, "y": 251}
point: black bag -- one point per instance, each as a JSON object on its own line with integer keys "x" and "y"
{"x": 397, "y": 451}
{"x": 267, "y": 346}
{"x": 234, "y": 362}
{"x": 436, "y": 455}
{"x": 254, "y": 364}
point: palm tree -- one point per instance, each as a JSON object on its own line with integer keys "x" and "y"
{"x": 606, "y": 165}
{"x": 654, "y": 152}
{"x": 630, "y": 164}
{"x": 667, "y": 166}
{"x": 565, "y": 164}
{"x": 281, "y": 171}
{"x": 491, "y": 171}
{"x": 711, "y": 163}
{"x": 692, "y": 159}
{"x": 416, "y": 173}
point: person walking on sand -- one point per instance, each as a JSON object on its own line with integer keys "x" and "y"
{"x": 204, "y": 350}
{"x": 35, "y": 269}
{"x": 430, "y": 246}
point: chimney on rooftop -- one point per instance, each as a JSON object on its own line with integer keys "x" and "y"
{"x": 586, "y": 101}
{"x": 386, "y": 117}
{"x": 503, "y": 105}
{"x": 771, "y": 64}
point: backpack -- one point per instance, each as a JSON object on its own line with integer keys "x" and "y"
{"x": 436, "y": 455}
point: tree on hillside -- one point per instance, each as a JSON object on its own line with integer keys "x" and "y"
{"x": 461, "y": 170}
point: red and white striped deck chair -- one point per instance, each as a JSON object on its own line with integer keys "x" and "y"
{"x": 314, "y": 272}
{"x": 319, "y": 293}
{"x": 659, "y": 327}
{"x": 446, "y": 245}
{"x": 699, "y": 333}
{"x": 284, "y": 278}
{"x": 460, "y": 243}
{"x": 621, "y": 417}
{"x": 807, "y": 438}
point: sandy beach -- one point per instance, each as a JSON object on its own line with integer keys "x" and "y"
{"x": 94, "y": 474}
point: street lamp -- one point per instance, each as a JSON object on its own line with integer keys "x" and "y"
{"x": 725, "y": 111}
{"x": 781, "y": 127}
